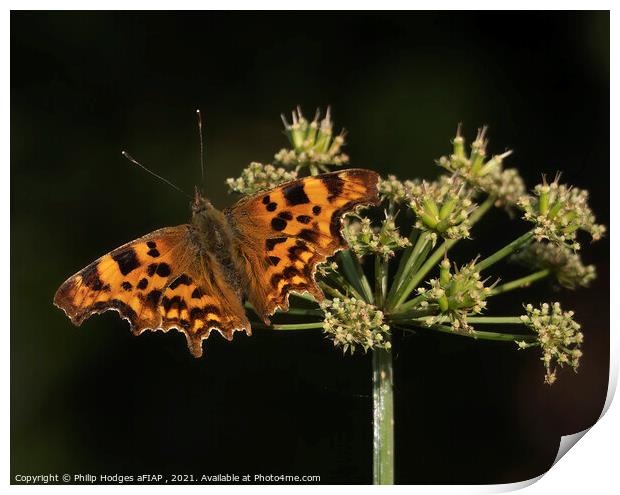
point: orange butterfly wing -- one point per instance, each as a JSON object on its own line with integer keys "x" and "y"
{"x": 284, "y": 233}
{"x": 159, "y": 281}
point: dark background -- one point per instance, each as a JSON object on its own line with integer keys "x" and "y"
{"x": 86, "y": 85}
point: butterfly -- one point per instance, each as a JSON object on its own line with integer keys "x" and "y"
{"x": 195, "y": 277}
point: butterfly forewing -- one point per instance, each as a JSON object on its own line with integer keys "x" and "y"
{"x": 285, "y": 232}
{"x": 159, "y": 281}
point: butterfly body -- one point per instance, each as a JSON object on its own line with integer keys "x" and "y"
{"x": 195, "y": 277}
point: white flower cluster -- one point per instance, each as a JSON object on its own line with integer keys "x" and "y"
{"x": 506, "y": 185}
{"x": 558, "y": 212}
{"x": 395, "y": 191}
{"x": 442, "y": 207}
{"x": 559, "y": 336}
{"x": 258, "y": 177}
{"x": 313, "y": 143}
{"x": 351, "y": 323}
{"x": 455, "y": 296}
{"x": 364, "y": 239}
{"x": 563, "y": 262}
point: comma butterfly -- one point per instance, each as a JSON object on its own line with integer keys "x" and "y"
{"x": 195, "y": 277}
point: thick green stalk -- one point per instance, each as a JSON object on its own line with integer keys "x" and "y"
{"x": 478, "y": 334}
{"x": 413, "y": 260}
{"x": 518, "y": 243}
{"x": 482, "y": 209}
{"x": 413, "y": 282}
{"x": 380, "y": 280}
{"x": 383, "y": 417}
{"x": 298, "y": 326}
{"x": 503, "y": 320}
{"x": 495, "y": 320}
{"x": 520, "y": 282}
{"x": 355, "y": 275}
{"x": 350, "y": 271}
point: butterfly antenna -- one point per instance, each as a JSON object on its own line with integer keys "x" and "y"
{"x": 202, "y": 156}
{"x": 134, "y": 161}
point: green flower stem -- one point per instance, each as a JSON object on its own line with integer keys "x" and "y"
{"x": 298, "y": 326}
{"x": 413, "y": 282}
{"x": 411, "y": 261}
{"x": 342, "y": 285}
{"x": 520, "y": 282}
{"x": 501, "y": 320}
{"x": 478, "y": 334}
{"x": 413, "y": 239}
{"x": 482, "y": 209}
{"x": 330, "y": 290}
{"x": 383, "y": 417}
{"x": 302, "y": 312}
{"x": 518, "y": 243}
{"x": 355, "y": 275}
{"x": 380, "y": 280}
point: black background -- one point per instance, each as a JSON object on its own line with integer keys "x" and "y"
{"x": 86, "y": 85}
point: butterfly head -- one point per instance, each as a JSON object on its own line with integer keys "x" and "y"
{"x": 200, "y": 204}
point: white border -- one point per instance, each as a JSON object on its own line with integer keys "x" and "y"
{"x": 591, "y": 467}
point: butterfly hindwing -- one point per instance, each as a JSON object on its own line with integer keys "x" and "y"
{"x": 199, "y": 301}
{"x": 287, "y": 231}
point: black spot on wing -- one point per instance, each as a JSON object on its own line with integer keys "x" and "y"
{"x": 153, "y": 297}
{"x": 273, "y": 260}
{"x": 151, "y": 244}
{"x": 153, "y": 253}
{"x": 285, "y": 215}
{"x": 266, "y": 199}
{"x": 305, "y": 219}
{"x": 295, "y": 251}
{"x": 163, "y": 270}
{"x": 334, "y": 185}
{"x": 90, "y": 277}
{"x": 316, "y": 210}
{"x": 142, "y": 284}
{"x": 126, "y": 286}
{"x": 278, "y": 224}
{"x": 152, "y": 268}
{"x": 181, "y": 280}
{"x": 295, "y": 194}
{"x": 197, "y": 294}
{"x": 126, "y": 260}
{"x": 309, "y": 235}
{"x": 272, "y": 206}
{"x": 271, "y": 242}
{"x": 290, "y": 272}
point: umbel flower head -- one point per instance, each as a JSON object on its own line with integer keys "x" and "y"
{"x": 558, "y": 336}
{"x": 364, "y": 239}
{"x": 313, "y": 143}
{"x": 455, "y": 295}
{"x": 558, "y": 212}
{"x": 565, "y": 264}
{"x": 489, "y": 176}
{"x": 442, "y": 207}
{"x": 395, "y": 191}
{"x": 258, "y": 177}
{"x": 351, "y": 323}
